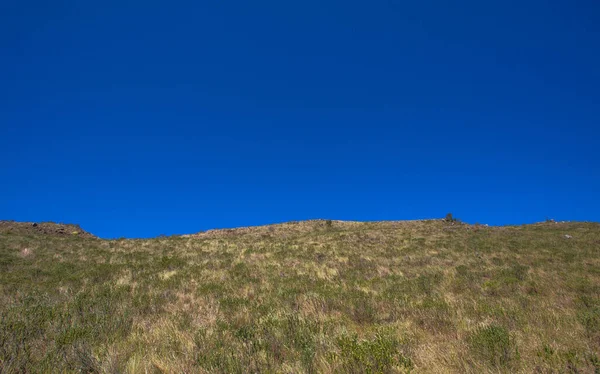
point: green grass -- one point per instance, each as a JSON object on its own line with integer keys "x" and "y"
{"x": 305, "y": 297}
{"x": 495, "y": 345}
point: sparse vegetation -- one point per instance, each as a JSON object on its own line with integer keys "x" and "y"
{"x": 303, "y": 297}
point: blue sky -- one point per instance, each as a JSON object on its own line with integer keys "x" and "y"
{"x": 140, "y": 118}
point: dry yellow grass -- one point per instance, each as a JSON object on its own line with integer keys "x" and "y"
{"x": 305, "y": 297}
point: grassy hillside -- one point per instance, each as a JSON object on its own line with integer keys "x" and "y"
{"x": 307, "y": 297}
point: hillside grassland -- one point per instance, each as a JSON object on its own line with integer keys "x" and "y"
{"x": 305, "y": 297}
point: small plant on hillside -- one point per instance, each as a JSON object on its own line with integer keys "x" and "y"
{"x": 450, "y": 218}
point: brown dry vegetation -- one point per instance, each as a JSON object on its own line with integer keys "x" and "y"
{"x": 305, "y": 297}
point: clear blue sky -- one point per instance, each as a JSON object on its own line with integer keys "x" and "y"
{"x": 140, "y": 118}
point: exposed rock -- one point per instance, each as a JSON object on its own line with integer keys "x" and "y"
{"x": 26, "y": 252}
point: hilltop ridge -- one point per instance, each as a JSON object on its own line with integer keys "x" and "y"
{"x": 282, "y": 230}
{"x": 296, "y": 228}
{"x": 43, "y": 228}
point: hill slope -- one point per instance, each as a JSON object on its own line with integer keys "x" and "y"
{"x": 315, "y": 296}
